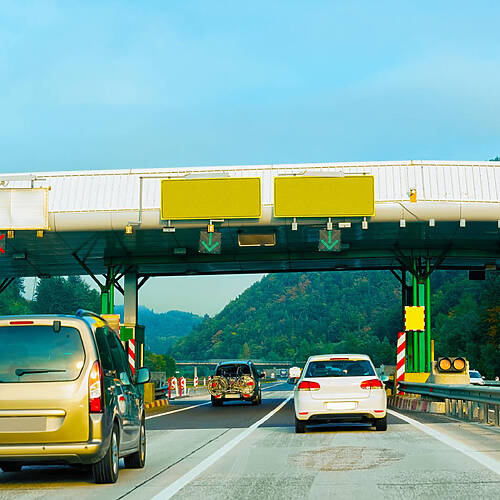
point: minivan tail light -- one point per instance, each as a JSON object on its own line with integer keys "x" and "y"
{"x": 308, "y": 385}
{"x": 373, "y": 383}
{"x": 95, "y": 389}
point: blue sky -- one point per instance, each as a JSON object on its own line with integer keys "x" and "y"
{"x": 105, "y": 84}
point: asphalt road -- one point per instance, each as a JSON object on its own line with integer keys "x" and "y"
{"x": 242, "y": 451}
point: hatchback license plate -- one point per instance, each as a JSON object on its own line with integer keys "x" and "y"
{"x": 232, "y": 396}
{"x": 342, "y": 405}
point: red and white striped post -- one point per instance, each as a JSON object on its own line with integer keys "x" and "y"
{"x": 131, "y": 355}
{"x": 401, "y": 359}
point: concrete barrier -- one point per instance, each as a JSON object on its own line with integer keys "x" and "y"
{"x": 412, "y": 403}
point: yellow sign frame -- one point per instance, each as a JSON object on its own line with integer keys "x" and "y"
{"x": 212, "y": 198}
{"x": 324, "y": 196}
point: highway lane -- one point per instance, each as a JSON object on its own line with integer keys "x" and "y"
{"x": 271, "y": 461}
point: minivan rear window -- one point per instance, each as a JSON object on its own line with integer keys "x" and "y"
{"x": 37, "y": 353}
{"x": 340, "y": 368}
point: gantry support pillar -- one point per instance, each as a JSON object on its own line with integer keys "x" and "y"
{"x": 108, "y": 293}
{"x": 130, "y": 308}
{"x": 419, "y": 342}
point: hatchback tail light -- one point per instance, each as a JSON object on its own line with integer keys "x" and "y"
{"x": 307, "y": 385}
{"x": 373, "y": 383}
{"x": 96, "y": 403}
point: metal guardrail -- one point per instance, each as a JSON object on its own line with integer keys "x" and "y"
{"x": 495, "y": 383}
{"x": 481, "y": 403}
{"x": 478, "y": 394}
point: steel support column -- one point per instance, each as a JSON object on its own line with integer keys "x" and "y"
{"x": 421, "y": 334}
{"x": 108, "y": 293}
{"x": 415, "y": 364}
{"x": 130, "y": 308}
{"x": 428, "y": 341}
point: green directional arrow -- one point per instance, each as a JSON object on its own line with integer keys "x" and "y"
{"x": 329, "y": 241}
{"x": 209, "y": 242}
{"x": 210, "y": 247}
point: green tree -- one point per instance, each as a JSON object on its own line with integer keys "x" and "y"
{"x": 59, "y": 295}
{"x": 170, "y": 365}
{"x": 12, "y": 300}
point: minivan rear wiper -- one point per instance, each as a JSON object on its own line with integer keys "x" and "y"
{"x": 23, "y": 371}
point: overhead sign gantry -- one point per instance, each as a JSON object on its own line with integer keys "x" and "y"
{"x": 408, "y": 217}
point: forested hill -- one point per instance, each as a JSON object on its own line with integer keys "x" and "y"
{"x": 290, "y": 316}
{"x": 164, "y": 329}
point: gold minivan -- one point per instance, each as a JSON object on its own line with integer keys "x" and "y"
{"x": 68, "y": 395}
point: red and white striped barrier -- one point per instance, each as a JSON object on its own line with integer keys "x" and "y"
{"x": 173, "y": 386}
{"x": 195, "y": 382}
{"x": 182, "y": 386}
{"x": 401, "y": 358}
{"x": 131, "y": 355}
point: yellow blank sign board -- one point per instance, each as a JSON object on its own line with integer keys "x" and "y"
{"x": 414, "y": 318}
{"x": 324, "y": 196}
{"x": 226, "y": 198}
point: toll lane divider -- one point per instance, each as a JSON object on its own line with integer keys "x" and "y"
{"x": 184, "y": 480}
{"x": 157, "y": 403}
{"x": 416, "y": 404}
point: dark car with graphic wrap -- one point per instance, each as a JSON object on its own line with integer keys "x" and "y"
{"x": 235, "y": 381}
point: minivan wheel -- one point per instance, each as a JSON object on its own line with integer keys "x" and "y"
{"x": 106, "y": 470}
{"x": 10, "y": 467}
{"x": 138, "y": 459}
{"x": 300, "y": 426}
{"x": 381, "y": 424}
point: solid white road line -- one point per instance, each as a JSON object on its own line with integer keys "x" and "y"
{"x": 176, "y": 411}
{"x": 478, "y": 456}
{"x": 177, "y": 485}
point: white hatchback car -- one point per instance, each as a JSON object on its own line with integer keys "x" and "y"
{"x": 340, "y": 387}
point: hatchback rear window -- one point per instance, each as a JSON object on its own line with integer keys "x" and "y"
{"x": 37, "y": 353}
{"x": 233, "y": 370}
{"x": 340, "y": 368}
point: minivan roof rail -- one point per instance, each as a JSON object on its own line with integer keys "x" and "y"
{"x": 84, "y": 312}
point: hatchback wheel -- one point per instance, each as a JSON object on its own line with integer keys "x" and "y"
{"x": 10, "y": 467}
{"x": 106, "y": 470}
{"x": 381, "y": 424}
{"x": 216, "y": 402}
{"x": 138, "y": 459}
{"x": 300, "y": 426}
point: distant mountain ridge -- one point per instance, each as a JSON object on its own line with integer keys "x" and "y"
{"x": 291, "y": 316}
{"x": 164, "y": 329}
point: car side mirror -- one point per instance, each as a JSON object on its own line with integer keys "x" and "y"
{"x": 262, "y": 375}
{"x": 484, "y": 378}
{"x": 143, "y": 375}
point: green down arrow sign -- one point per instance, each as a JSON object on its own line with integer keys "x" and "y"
{"x": 329, "y": 241}
{"x": 209, "y": 242}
